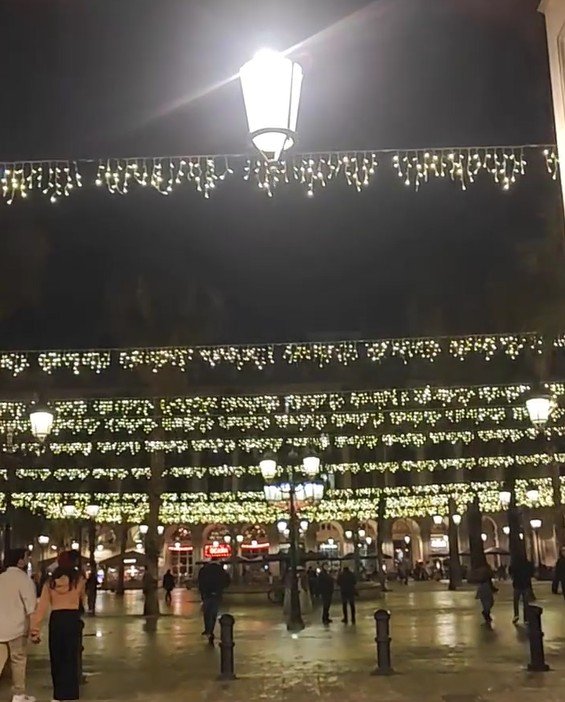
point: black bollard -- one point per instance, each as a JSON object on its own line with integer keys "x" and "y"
{"x": 227, "y": 671}
{"x": 384, "y": 667}
{"x": 537, "y": 656}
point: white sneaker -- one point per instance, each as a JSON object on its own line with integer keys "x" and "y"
{"x": 23, "y": 698}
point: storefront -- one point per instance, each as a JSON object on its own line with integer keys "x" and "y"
{"x": 181, "y": 555}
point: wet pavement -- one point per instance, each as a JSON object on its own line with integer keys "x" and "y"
{"x": 441, "y": 651}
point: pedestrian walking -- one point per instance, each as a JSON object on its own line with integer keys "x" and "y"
{"x": 91, "y": 588}
{"x": 485, "y": 592}
{"x": 347, "y": 583}
{"x": 168, "y": 586}
{"x": 17, "y": 602}
{"x": 559, "y": 573}
{"x": 326, "y": 590}
{"x": 313, "y": 583}
{"x": 63, "y": 596}
{"x": 212, "y": 581}
{"x": 521, "y": 573}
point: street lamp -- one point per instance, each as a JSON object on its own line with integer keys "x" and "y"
{"x": 293, "y": 491}
{"x": 505, "y": 496}
{"x": 239, "y": 538}
{"x": 348, "y": 534}
{"x": 41, "y": 419}
{"x": 282, "y": 526}
{"x": 456, "y": 519}
{"x": 536, "y": 525}
{"x": 484, "y": 537}
{"x": 271, "y": 85}
{"x": 506, "y": 530}
{"x": 143, "y": 529}
{"x": 92, "y": 511}
{"x": 160, "y": 530}
{"x": 407, "y": 539}
{"x": 69, "y": 511}
{"x": 532, "y": 494}
{"x": 75, "y": 546}
{"x": 540, "y": 407}
{"x": 437, "y": 519}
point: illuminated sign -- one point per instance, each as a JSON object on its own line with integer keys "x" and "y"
{"x": 217, "y": 550}
{"x": 438, "y": 543}
{"x": 254, "y": 546}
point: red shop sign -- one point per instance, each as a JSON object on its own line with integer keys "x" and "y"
{"x": 219, "y": 551}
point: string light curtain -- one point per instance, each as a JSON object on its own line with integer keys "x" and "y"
{"x": 463, "y": 165}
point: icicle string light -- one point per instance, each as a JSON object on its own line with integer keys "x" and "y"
{"x": 263, "y": 356}
{"x": 249, "y": 507}
{"x": 505, "y": 165}
{"x": 313, "y": 172}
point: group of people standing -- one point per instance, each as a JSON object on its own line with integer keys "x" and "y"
{"x": 22, "y": 614}
{"x": 322, "y": 586}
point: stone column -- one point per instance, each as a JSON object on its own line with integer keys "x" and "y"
{"x": 554, "y": 11}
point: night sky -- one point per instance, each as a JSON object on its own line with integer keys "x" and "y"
{"x": 93, "y": 78}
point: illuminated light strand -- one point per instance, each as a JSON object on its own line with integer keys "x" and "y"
{"x": 551, "y": 162}
{"x": 56, "y": 179}
{"x": 314, "y": 171}
{"x": 505, "y": 165}
{"x": 53, "y": 179}
{"x": 225, "y": 470}
{"x": 163, "y": 174}
{"x": 96, "y": 361}
{"x": 250, "y": 506}
{"x": 260, "y": 357}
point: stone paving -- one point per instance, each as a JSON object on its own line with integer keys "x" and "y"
{"x": 441, "y": 652}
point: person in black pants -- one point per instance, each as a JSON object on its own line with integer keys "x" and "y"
{"x": 212, "y": 581}
{"x": 326, "y": 591}
{"x": 521, "y": 573}
{"x": 559, "y": 575}
{"x": 347, "y": 582}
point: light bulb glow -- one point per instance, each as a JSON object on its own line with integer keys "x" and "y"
{"x": 271, "y": 85}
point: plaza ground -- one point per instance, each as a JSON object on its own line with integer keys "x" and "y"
{"x": 441, "y": 651}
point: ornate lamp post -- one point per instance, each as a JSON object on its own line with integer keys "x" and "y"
{"x": 455, "y": 577}
{"x": 536, "y": 526}
{"x": 271, "y": 85}
{"x": 293, "y": 490}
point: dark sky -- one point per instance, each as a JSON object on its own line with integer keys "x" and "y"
{"x": 90, "y": 78}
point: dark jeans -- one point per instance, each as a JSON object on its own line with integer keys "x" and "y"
{"x": 210, "y": 607}
{"x": 348, "y": 599}
{"x": 168, "y": 597}
{"x": 64, "y": 652}
{"x": 326, "y": 604}
{"x": 523, "y": 594}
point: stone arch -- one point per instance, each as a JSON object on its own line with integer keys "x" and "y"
{"x": 407, "y": 538}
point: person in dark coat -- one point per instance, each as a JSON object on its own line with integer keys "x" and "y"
{"x": 521, "y": 573}
{"x": 168, "y": 586}
{"x": 212, "y": 581}
{"x": 326, "y": 591}
{"x": 559, "y": 574}
{"x": 313, "y": 583}
{"x": 347, "y": 583}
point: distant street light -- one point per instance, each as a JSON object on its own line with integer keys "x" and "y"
{"x": 92, "y": 511}
{"x": 540, "y": 406}
{"x": 41, "y": 419}
{"x": 437, "y": 519}
{"x": 271, "y": 85}
{"x": 143, "y": 529}
{"x": 532, "y": 494}
{"x": 506, "y": 530}
{"x": 484, "y": 537}
{"x": 456, "y": 518}
{"x": 69, "y": 511}
{"x": 505, "y": 497}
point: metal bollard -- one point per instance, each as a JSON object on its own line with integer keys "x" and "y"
{"x": 537, "y": 656}
{"x": 384, "y": 667}
{"x": 227, "y": 671}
